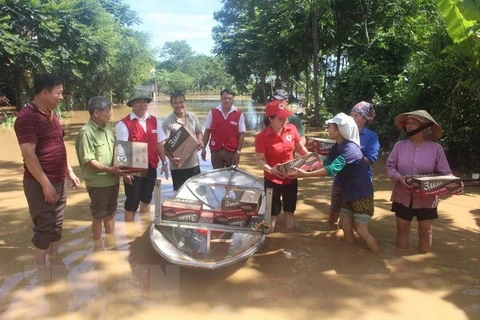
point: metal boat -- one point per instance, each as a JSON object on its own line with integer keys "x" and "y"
{"x": 203, "y": 243}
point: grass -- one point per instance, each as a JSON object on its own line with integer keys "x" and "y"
{"x": 7, "y": 121}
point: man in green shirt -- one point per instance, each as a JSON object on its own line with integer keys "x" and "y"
{"x": 95, "y": 146}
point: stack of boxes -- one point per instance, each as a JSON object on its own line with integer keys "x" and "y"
{"x": 184, "y": 210}
{"x": 238, "y": 206}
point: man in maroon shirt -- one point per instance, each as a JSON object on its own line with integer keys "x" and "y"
{"x": 40, "y": 136}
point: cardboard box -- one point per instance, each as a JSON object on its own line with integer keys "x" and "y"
{"x": 308, "y": 162}
{"x": 132, "y": 156}
{"x": 319, "y": 145}
{"x": 181, "y": 144}
{"x": 435, "y": 184}
{"x": 185, "y": 210}
{"x": 236, "y": 218}
{"x": 247, "y": 201}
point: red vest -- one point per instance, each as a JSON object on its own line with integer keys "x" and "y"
{"x": 224, "y": 132}
{"x": 136, "y": 133}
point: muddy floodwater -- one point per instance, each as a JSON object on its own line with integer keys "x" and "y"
{"x": 307, "y": 273}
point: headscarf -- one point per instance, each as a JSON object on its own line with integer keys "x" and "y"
{"x": 366, "y": 110}
{"x": 347, "y": 127}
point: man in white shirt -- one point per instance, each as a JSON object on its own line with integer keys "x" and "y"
{"x": 140, "y": 126}
{"x": 225, "y": 128}
{"x": 181, "y": 172}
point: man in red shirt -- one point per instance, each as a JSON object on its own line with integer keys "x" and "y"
{"x": 40, "y": 136}
{"x": 141, "y": 126}
{"x": 225, "y": 128}
{"x": 275, "y": 145}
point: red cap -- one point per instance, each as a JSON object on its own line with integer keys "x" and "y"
{"x": 277, "y": 108}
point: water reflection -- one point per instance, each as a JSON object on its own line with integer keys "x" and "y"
{"x": 122, "y": 275}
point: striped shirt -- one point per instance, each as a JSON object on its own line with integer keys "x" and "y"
{"x": 34, "y": 126}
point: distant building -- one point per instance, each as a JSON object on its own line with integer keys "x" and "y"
{"x": 151, "y": 89}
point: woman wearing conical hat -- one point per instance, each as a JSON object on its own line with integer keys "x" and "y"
{"x": 418, "y": 154}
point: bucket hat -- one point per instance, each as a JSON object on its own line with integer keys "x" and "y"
{"x": 281, "y": 94}
{"x": 422, "y": 116}
{"x": 138, "y": 95}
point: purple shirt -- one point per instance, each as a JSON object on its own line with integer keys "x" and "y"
{"x": 405, "y": 160}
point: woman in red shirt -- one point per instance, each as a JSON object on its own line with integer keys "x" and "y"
{"x": 274, "y": 145}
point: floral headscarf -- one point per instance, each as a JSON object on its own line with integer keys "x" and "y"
{"x": 366, "y": 110}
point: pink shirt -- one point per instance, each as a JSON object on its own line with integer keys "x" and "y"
{"x": 406, "y": 160}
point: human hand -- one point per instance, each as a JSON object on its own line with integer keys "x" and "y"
{"x": 49, "y": 193}
{"x": 200, "y": 146}
{"x": 117, "y": 171}
{"x": 401, "y": 181}
{"x": 165, "y": 171}
{"x": 275, "y": 171}
{"x": 459, "y": 191}
{"x": 128, "y": 179}
{"x": 74, "y": 179}
{"x": 297, "y": 173}
{"x": 177, "y": 161}
{"x": 235, "y": 159}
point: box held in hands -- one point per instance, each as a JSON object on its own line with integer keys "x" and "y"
{"x": 181, "y": 144}
{"x": 319, "y": 145}
{"x": 308, "y": 162}
{"x": 435, "y": 184}
{"x": 131, "y": 156}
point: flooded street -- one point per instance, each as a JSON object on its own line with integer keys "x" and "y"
{"x": 307, "y": 273}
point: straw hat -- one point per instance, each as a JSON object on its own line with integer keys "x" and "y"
{"x": 422, "y": 116}
{"x": 138, "y": 95}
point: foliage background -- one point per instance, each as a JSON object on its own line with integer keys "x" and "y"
{"x": 401, "y": 55}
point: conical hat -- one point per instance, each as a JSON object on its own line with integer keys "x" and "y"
{"x": 423, "y": 116}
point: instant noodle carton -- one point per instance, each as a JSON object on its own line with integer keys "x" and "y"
{"x": 435, "y": 184}
{"x": 319, "y": 145}
{"x": 237, "y": 218}
{"x": 308, "y": 162}
{"x": 242, "y": 200}
{"x": 185, "y": 210}
{"x": 132, "y": 156}
{"x": 181, "y": 144}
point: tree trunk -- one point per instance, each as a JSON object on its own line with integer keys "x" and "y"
{"x": 365, "y": 27}
{"x": 20, "y": 97}
{"x": 338, "y": 62}
{"x": 307, "y": 87}
{"x": 263, "y": 89}
{"x": 315, "y": 62}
